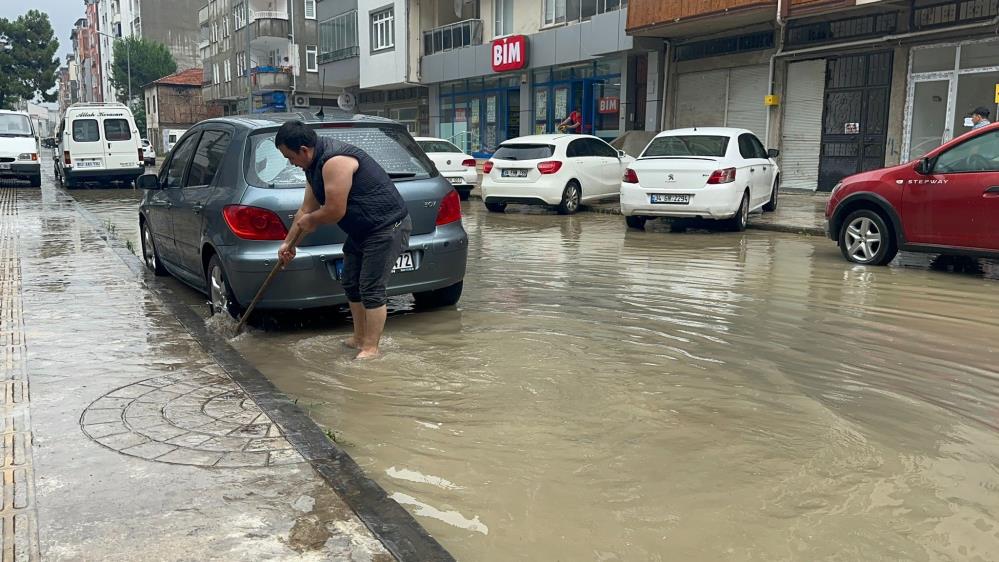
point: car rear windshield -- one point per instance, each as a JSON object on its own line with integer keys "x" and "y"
{"x": 437, "y": 146}
{"x": 12, "y": 125}
{"x": 687, "y": 145}
{"x": 524, "y": 152}
{"x": 117, "y": 130}
{"x": 85, "y": 130}
{"x": 392, "y": 147}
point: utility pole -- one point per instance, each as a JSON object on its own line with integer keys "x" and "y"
{"x": 249, "y": 58}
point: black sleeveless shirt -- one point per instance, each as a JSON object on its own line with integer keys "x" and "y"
{"x": 373, "y": 202}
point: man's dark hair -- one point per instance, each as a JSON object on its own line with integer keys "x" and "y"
{"x": 295, "y": 135}
{"x": 982, "y": 111}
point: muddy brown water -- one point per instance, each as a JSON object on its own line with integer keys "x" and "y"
{"x": 610, "y": 395}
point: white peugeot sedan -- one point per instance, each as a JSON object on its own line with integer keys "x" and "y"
{"x": 456, "y": 166}
{"x": 711, "y": 173}
{"x": 560, "y": 170}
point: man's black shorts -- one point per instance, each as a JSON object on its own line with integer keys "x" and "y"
{"x": 368, "y": 264}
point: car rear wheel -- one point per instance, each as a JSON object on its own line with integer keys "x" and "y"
{"x": 570, "y": 199}
{"x": 36, "y": 181}
{"x": 636, "y": 222}
{"x": 448, "y": 296}
{"x": 496, "y": 207}
{"x": 771, "y": 205}
{"x": 741, "y": 219}
{"x": 865, "y": 238}
{"x": 222, "y": 299}
{"x": 149, "y": 254}
{"x": 463, "y": 194}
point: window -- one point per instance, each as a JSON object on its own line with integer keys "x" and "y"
{"x": 980, "y": 154}
{"x": 746, "y": 147}
{"x": 503, "y": 14}
{"x": 241, "y": 63}
{"x": 687, "y": 145}
{"x": 117, "y": 130}
{"x": 602, "y": 149}
{"x": 524, "y": 152}
{"x": 215, "y": 73}
{"x": 563, "y": 11}
{"x": 579, "y": 148}
{"x": 391, "y": 146}
{"x": 154, "y": 103}
{"x": 225, "y": 26}
{"x": 758, "y": 146}
{"x": 228, "y": 71}
{"x": 208, "y": 158}
{"x": 310, "y": 9}
{"x": 437, "y": 146}
{"x": 407, "y": 116}
{"x": 338, "y": 37}
{"x": 312, "y": 58}
{"x": 239, "y": 15}
{"x": 178, "y": 164}
{"x": 383, "y": 29}
{"x": 85, "y": 130}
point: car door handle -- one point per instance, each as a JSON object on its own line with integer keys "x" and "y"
{"x": 198, "y": 207}
{"x": 991, "y": 191}
{"x": 752, "y": 169}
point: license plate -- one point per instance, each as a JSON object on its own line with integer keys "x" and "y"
{"x": 87, "y": 164}
{"x": 403, "y": 263}
{"x": 456, "y": 181}
{"x": 4, "y": 166}
{"x": 513, "y": 173}
{"x": 670, "y": 198}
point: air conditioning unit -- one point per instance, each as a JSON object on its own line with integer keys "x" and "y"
{"x": 300, "y": 100}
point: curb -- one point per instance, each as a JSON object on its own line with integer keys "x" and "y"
{"x": 388, "y": 521}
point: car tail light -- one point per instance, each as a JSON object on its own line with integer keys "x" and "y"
{"x": 549, "y": 167}
{"x": 65, "y": 158}
{"x": 630, "y": 176}
{"x": 450, "y": 210}
{"x": 487, "y": 167}
{"x": 254, "y": 223}
{"x": 470, "y": 163}
{"x": 722, "y": 176}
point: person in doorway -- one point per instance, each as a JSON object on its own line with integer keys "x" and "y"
{"x": 980, "y": 118}
{"x": 573, "y": 123}
{"x": 347, "y": 187}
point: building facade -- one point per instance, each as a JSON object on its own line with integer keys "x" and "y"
{"x": 174, "y": 104}
{"x": 839, "y": 86}
{"x": 86, "y": 46}
{"x": 262, "y": 55}
{"x": 506, "y": 68}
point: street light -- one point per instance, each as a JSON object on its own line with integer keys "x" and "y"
{"x": 128, "y": 61}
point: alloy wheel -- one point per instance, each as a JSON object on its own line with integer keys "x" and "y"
{"x": 863, "y": 239}
{"x": 571, "y": 198}
{"x": 219, "y": 292}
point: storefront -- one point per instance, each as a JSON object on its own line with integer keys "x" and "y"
{"x": 947, "y": 81}
{"x": 594, "y": 89}
{"x": 479, "y": 113}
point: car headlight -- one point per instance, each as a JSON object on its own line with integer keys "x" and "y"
{"x": 28, "y": 156}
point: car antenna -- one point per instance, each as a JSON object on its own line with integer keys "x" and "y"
{"x": 322, "y": 100}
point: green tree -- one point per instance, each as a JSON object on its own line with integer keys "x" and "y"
{"x": 139, "y": 113}
{"x": 27, "y": 67}
{"x": 149, "y": 61}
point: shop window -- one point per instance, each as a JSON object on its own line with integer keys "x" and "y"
{"x": 934, "y": 59}
{"x": 976, "y": 55}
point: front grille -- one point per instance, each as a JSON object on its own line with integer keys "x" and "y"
{"x": 6, "y": 159}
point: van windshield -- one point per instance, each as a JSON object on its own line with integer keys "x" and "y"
{"x": 392, "y": 147}
{"x": 13, "y": 125}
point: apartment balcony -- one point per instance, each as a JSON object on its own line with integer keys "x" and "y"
{"x": 267, "y": 78}
{"x": 261, "y": 27}
{"x": 452, "y": 36}
{"x": 339, "y": 54}
{"x": 691, "y": 18}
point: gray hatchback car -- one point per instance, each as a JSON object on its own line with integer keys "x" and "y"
{"x": 217, "y": 212}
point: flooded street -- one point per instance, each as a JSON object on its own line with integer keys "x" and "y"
{"x": 608, "y": 395}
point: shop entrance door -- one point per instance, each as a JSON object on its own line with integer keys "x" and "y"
{"x": 855, "y": 116}
{"x": 512, "y": 113}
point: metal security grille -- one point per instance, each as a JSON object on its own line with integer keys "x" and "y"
{"x": 855, "y": 116}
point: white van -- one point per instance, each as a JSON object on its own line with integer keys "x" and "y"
{"x": 99, "y": 142}
{"x": 19, "y": 148}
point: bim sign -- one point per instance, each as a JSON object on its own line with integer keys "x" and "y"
{"x": 509, "y": 53}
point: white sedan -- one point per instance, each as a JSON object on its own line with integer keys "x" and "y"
{"x": 711, "y": 173}
{"x": 560, "y": 170}
{"x": 456, "y": 166}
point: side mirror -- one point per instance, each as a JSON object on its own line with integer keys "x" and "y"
{"x": 148, "y": 181}
{"x": 773, "y": 153}
{"x": 621, "y": 154}
{"x": 925, "y": 166}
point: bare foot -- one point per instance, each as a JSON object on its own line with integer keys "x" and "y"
{"x": 367, "y": 354}
{"x": 351, "y": 343}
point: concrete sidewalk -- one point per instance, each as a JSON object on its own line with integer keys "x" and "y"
{"x": 798, "y": 212}
{"x": 133, "y": 433}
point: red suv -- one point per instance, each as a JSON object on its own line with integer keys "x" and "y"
{"x": 946, "y": 202}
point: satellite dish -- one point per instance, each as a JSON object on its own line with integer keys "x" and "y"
{"x": 346, "y": 101}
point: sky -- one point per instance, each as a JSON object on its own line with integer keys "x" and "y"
{"x": 62, "y": 13}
